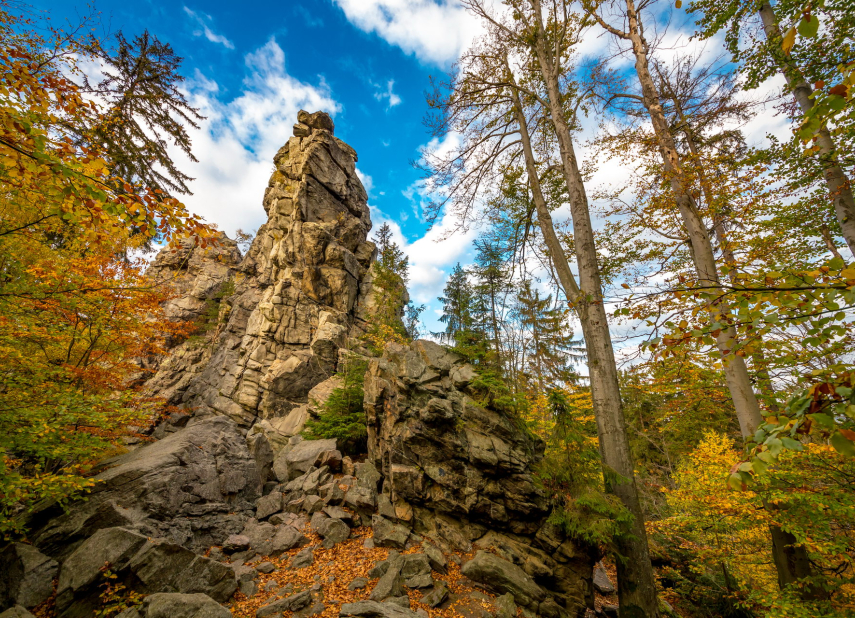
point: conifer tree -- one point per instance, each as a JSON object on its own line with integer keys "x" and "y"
{"x": 395, "y": 316}
{"x": 551, "y": 351}
{"x": 145, "y": 111}
{"x": 489, "y": 290}
{"x": 457, "y": 304}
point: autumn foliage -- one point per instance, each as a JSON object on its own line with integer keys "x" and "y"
{"x": 76, "y": 311}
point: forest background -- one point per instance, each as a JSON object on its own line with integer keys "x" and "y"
{"x": 715, "y": 467}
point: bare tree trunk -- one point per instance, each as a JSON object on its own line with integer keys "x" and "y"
{"x": 791, "y": 559}
{"x": 636, "y": 584}
{"x": 839, "y": 187}
{"x": 735, "y": 371}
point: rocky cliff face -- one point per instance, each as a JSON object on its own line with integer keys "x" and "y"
{"x": 461, "y": 474}
{"x": 298, "y": 293}
{"x": 229, "y": 496}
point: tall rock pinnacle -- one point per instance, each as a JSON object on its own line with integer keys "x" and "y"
{"x": 297, "y": 293}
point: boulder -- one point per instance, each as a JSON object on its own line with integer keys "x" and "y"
{"x": 261, "y": 450}
{"x": 146, "y": 565}
{"x": 506, "y": 606}
{"x": 391, "y": 582}
{"x": 436, "y": 596}
{"x": 293, "y": 603}
{"x": 373, "y": 609}
{"x": 302, "y": 456}
{"x": 435, "y": 557}
{"x": 203, "y": 472}
{"x": 367, "y": 475}
{"x": 26, "y": 576}
{"x": 502, "y": 577}
{"x": 331, "y": 459}
{"x": 236, "y": 543}
{"x": 361, "y": 499}
{"x": 268, "y": 505}
{"x": 16, "y": 612}
{"x": 304, "y": 558}
{"x": 269, "y": 540}
{"x": 175, "y": 605}
{"x": 333, "y": 531}
{"x": 338, "y": 513}
{"x": 602, "y": 583}
{"x": 387, "y": 534}
{"x": 401, "y": 601}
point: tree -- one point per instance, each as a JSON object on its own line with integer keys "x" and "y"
{"x": 550, "y": 348}
{"x": 813, "y": 61}
{"x": 390, "y": 276}
{"x": 75, "y": 312}
{"x": 736, "y": 372}
{"x": 457, "y": 305}
{"x": 144, "y": 110}
{"x": 493, "y": 110}
{"x": 490, "y": 289}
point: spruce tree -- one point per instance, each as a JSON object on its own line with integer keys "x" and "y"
{"x": 550, "y": 349}
{"x": 489, "y": 290}
{"x": 146, "y": 110}
{"x": 457, "y": 304}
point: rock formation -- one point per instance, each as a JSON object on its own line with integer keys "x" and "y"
{"x": 228, "y": 494}
{"x": 298, "y": 293}
{"x": 462, "y": 474}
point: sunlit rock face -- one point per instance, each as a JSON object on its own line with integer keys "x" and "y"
{"x": 294, "y": 299}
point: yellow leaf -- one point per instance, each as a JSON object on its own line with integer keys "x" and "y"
{"x": 789, "y": 40}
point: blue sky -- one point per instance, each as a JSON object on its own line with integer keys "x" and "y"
{"x": 251, "y": 65}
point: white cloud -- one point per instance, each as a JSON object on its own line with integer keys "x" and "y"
{"x": 203, "y": 20}
{"x": 432, "y": 256}
{"x": 236, "y": 143}
{"x": 434, "y": 30}
{"x": 390, "y": 96}
{"x": 366, "y": 180}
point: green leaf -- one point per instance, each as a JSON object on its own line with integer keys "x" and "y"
{"x": 735, "y": 482}
{"x": 766, "y": 457}
{"x": 808, "y": 26}
{"x": 842, "y": 445}
{"x": 760, "y": 467}
{"x": 823, "y": 419}
{"x": 836, "y": 103}
{"x": 775, "y": 446}
{"x": 793, "y": 445}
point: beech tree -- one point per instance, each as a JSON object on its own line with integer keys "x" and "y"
{"x": 513, "y": 79}
{"x": 818, "y": 60}
{"x": 75, "y": 314}
{"x": 789, "y": 554}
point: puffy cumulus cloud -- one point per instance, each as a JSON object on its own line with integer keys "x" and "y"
{"x": 203, "y": 21}
{"x": 435, "y": 31}
{"x": 236, "y": 142}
